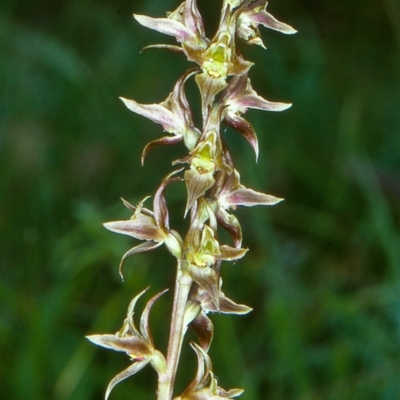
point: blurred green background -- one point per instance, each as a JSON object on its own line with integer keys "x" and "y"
{"x": 323, "y": 273}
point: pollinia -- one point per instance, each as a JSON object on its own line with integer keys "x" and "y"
{"x": 213, "y": 191}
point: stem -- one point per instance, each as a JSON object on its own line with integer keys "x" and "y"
{"x": 183, "y": 284}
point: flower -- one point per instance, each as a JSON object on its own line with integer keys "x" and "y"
{"x": 217, "y": 58}
{"x": 200, "y": 304}
{"x": 236, "y": 99}
{"x": 137, "y": 344}
{"x": 220, "y": 59}
{"x": 173, "y": 114}
{"x": 233, "y": 194}
{"x": 230, "y": 193}
{"x": 153, "y": 227}
{"x": 226, "y": 305}
{"x": 253, "y": 14}
{"x": 209, "y": 251}
{"x": 185, "y": 24}
{"x": 204, "y": 386}
{"x": 203, "y": 254}
{"x": 204, "y": 160}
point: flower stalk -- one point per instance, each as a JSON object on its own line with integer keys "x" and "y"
{"x": 177, "y": 329}
{"x": 214, "y": 191}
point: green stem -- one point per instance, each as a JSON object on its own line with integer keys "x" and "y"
{"x": 183, "y": 284}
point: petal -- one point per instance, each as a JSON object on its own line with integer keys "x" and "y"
{"x": 140, "y": 228}
{"x": 142, "y": 212}
{"x": 131, "y": 370}
{"x": 181, "y": 106}
{"x": 208, "y": 243}
{"x": 234, "y": 3}
{"x": 204, "y": 329}
{"x": 249, "y": 33}
{"x": 134, "y": 346}
{"x": 228, "y": 306}
{"x": 129, "y": 322}
{"x": 229, "y": 253}
{"x": 193, "y": 18}
{"x": 144, "y": 320}
{"x": 206, "y": 278}
{"x": 160, "y": 206}
{"x": 196, "y": 184}
{"x": 269, "y": 21}
{"x": 191, "y": 392}
{"x": 164, "y": 25}
{"x": 236, "y": 88}
{"x": 245, "y": 129}
{"x": 235, "y": 393}
{"x": 231, "y": 224}
{"x": 239, "y": 96}
{"x": 192, "y": 310}
{"x": 174, "y": 244}
{"x": 203, "y": 360}
{"x": 247, "y": 197}
{"x": 156, "y": 113}
{"x": 194, "y": 50}
{"x": 128, "y": 205}
{"x": 200, "y": 374}
{"x": 230, "y": 394}
{"x": 141, "y": 248}
{"x": 166, "y": 140}
{"x": 253, "y": 100}
{"x": 173, "y": 48}
{"x": 209, "y": 87}
{"x": 239, "y": 66}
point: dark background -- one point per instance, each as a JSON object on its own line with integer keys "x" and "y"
{"x": 323, "y": 271}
